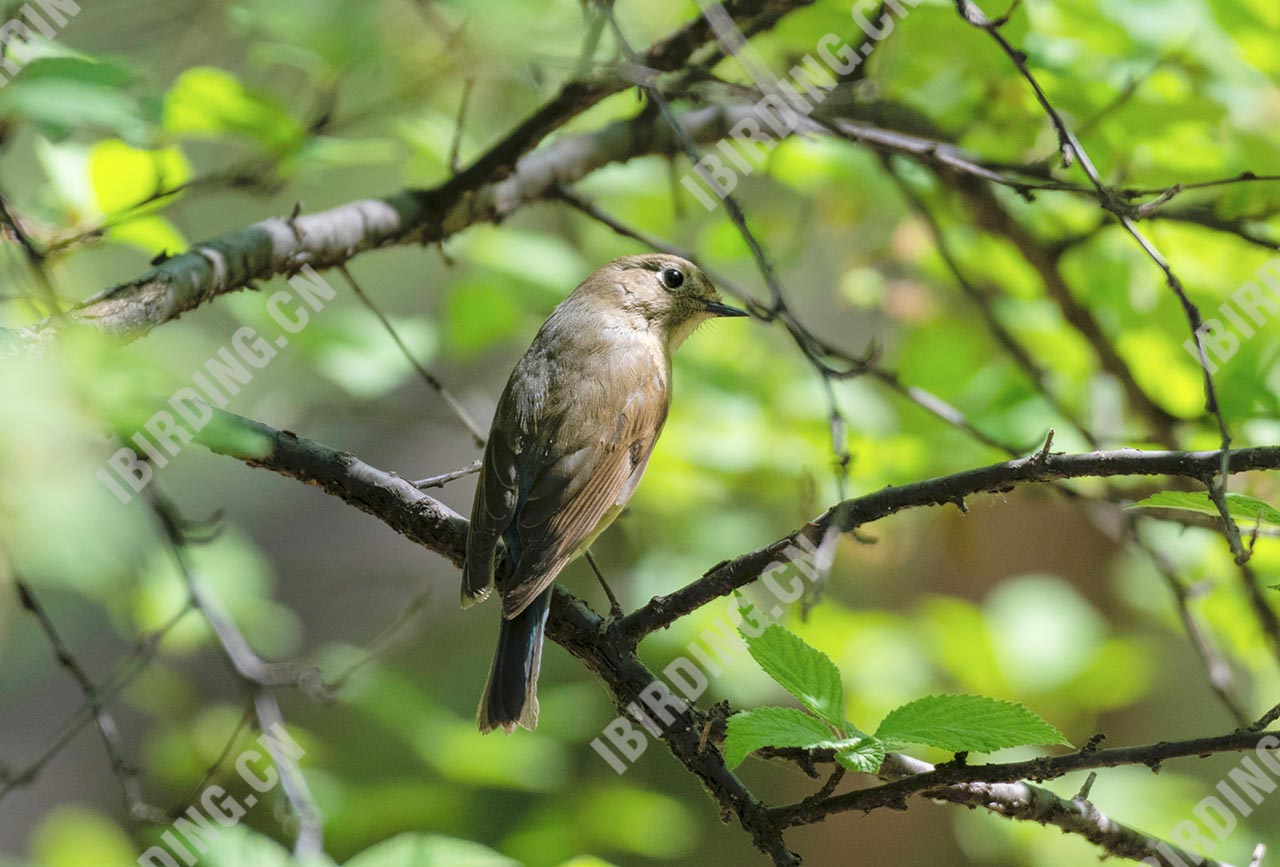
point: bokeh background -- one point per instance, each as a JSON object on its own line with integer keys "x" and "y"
{"x": 269, "y": 103}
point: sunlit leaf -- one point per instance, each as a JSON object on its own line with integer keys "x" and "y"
{"x": 429, "y": 850}
{"x": 78, "y": 837}
{"x": 967, "y": 723}
{"x": 805, "y": 672}
{"x": 750, "y": 730}
{"x": 863, "y": 755}
{"x": 209, "y": 102}
{"x": 1243, "y": 508}
{"x": 124, "y": 176}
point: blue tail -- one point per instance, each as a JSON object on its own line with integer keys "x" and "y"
{"x": 510, "y": 695}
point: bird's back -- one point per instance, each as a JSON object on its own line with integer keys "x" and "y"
{"x": 571, "y": 437}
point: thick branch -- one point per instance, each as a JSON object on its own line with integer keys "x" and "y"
{"x": 503, "y": 178}
{"x": 609, "y": 650}
{"x": 726, "y": 577}
{"x": 384, "y": 495}
{"x": 579, "y": 630}
{"x": 1039, "y": 770}
{"x": 1036, "y": 804}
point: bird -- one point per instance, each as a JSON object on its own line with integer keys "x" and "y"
{"x": 569, "y": 442}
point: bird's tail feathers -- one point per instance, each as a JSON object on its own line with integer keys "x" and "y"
{"x": 510, "y": 695}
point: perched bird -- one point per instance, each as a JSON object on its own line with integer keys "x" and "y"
{"x": 570, "y": 440}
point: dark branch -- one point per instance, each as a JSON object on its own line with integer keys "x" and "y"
{"x": 608, "y": 650}
{"x": 729, "y": 576}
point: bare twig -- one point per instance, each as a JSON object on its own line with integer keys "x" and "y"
{"x": 445, "y": 478}
{"x": 258, "y": 675}
{"x": 34, "y": 255}
{"x": 129, "y": 668}
{"x": 460, "y": 124}
{"x": 125, "y": 772}
{"x": 455, "y": 406}
{"x": 1072, "y": 150}
{"x": 735, "y": 573}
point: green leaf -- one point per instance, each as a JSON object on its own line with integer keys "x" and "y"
{"x": 71, "y": 836}
{"x": 67, "y": 93}
{"x": 238, "y": 845}
{"x": 151, "y": 234}
{"x": 863, "y": 755}
{"x": 968, "y": 723}
{"x": 429, "y": 850}
{"x": 122, "y": 176}
{"x": 209, "y": 102}
{"x": 61, "y": 106}
{"x": 750, "y": 730}
{"x": 1241, "y": 507}
{"x": 805, "y": 672}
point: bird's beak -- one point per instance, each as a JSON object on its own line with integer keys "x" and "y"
{"x": 715, "y": 308}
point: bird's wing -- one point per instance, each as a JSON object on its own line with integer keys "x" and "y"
{"x": 494, "y": 506}
{"x": 575, "y": 497}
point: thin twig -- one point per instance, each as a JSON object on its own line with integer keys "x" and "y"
{"x": 445, "y": 478}
{"x": 1073, "y": 150}
{"x": 258, "y": 675}
{"x": 133, "y": 664}
{"x": 460, "y": 124}
{"x": 615, "y": 609}
{"x": 34, "y": 255}
{"x": 428, "y": 377}
{"x": 309, "y": 841}
{"x": 125, "y": 772}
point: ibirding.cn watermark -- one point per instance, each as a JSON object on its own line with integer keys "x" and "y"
{"x": 707, "y": 656}
{"x": 215, "y": 810}
{"x": 785, "y": 103}
{"x": 1249, "y": 309}
{"x": 45, "y": 17}
{"x": 220, "y": 378}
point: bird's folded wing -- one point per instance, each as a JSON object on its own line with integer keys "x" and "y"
{"x": 572, "y": 496}
{"x": 491, "y": 513}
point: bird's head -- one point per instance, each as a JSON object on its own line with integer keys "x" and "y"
{"x": 664, "y": 294}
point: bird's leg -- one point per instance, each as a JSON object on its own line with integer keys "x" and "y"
{"x": 615, "y": 610}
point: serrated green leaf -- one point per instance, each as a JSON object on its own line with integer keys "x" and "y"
{"x": 862, "y": 755}
{"x": 750, "y": 730}
{"x": 802, "y": 670}
{"x": 1241, "y": 507}
{"x": 968, "y": 723}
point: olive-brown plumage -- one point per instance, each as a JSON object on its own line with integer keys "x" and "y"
{"x": 570, "y": 440}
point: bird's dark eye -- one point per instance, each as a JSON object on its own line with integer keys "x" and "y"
{"x": 671, "y": 278}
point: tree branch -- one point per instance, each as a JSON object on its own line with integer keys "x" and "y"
{"x": 394, "y": 500}
{"x": 499, "y": 181}
{"x": 726, "y": 577}
{"x": 1038, "y": 770}
{"x": 1036, "y": 804}
{"x": 608, "y": 649}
